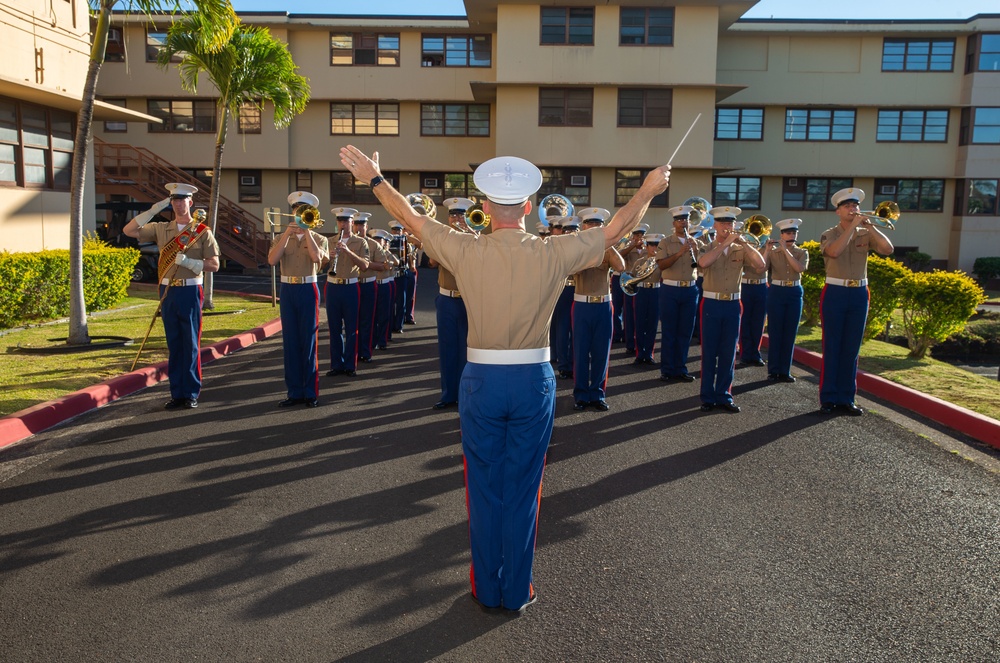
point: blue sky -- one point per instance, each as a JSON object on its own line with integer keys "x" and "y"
{"x": 842, "y": 9}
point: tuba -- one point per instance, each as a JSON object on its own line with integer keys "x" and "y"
{"x": 476, "y": 218}
{"x": 420, "y": 201}
{"x": 883, "y": 215}
{"x": 554, "y": 205}
{"x": 640, "y": 272}
{"x": 755, "y": 229}
{"x": 308, "y": 218}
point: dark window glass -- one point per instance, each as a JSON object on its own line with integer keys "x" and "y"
{"x": 819, "y": 124}
{"x": 155, "y": 40}
{"x": 454, "y": 119}
{"x": 248, "y": 121}
{"x": 628, "y": 181}
{"x": 182, "y": 115}
{"x": 981, "y": 198}
{"x": 565, "y": 107}
{"x": 644, "y": 108}
{"x": 989, "y": 52}
{"x": 364, "y": 119}
{"x": 249, "y": 186}
{"x": 650, "y": 26}
{"x": 574, "y": 183}
{"x": 918, "y": 54}
{"x": 742, "y": 192}
{"x": 344, "y": 189}
{"x": 36, "y": 145}
{"x": 912, "y": 195}
{"x": 567, "y": 25}
{"x": 364, "y": 49}
{"x": 811, "y": 193}
{"x": 739, "y": 123}
{"x": 920, "y": 126}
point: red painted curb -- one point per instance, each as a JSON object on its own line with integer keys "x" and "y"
{"x": 973, "y": 424}
{"x": 25, "y": 423}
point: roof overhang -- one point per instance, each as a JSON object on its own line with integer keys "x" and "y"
{"x": 485, "y": 92}
{"x": 63, "y": 100}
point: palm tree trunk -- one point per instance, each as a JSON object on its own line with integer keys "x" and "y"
{"x": 78, "y": 331}
{"x": 213, "y": 204}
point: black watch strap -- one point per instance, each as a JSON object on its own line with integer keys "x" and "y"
{"x": 376, "y": 181}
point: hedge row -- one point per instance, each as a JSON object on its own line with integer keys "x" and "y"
{"x": 36, "y": 285}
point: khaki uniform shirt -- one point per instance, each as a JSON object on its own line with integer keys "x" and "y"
{"x": 295, "y": 259}
{"x": 511, "y": 280}
{"x": 594, "y": 282}
{"x": 753, "y": 274}
{"x": 375, "y": 254}
{"x": 346, "y": 269}
{"x": 852, "y": 264}
{"x": 446, "y": 279}
{"x": 681, "y": 270}
{"x": 164, "y": 232}
{"x": 724, "y": 274}
{"x": 781, "y": 270}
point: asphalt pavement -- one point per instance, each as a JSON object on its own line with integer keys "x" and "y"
{"x": 241, "y": 532}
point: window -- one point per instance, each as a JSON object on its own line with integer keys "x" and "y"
{"x": 574, "y": 183}
{"x": 739, "y": 123}
{"x": 811, "y": 193}
{"x": 644, "y": 108}
{"x": 742, "y": 192}
{"x": 649, "y": 26}
{"x": 912, "y": 126}
{"x": 249, "y": 118}
{"x": 364, "y": 49}
{"x": 565, "y": 107}
{"x": 250, "y": 186}
{"x": 454, "y": 120}
{"x": 983, "y": 53}
{"x": 456, "y": 51}
{"x": 203, "y": 175}
{"x": 918, "y": 54}
{"x": 980, "y": 126}
{"x": 112, "y": 126}
{"x": 819, "y": 124}
{"x": 155, "y": 40}
{"x": 627, "y": 182}
{"x": 304, "y": 180}
{"x": 344, "y": 189}
{"x": 912, "y": 195}
{"x": 440, "y": 186}
{"x": 976, "y": 198}
{"x": 567, "y": 25}
{"x": 182, "y": 116}
{"x": 364, "y": 119}
{"x": 36, "y": 146}
{"x": 115, "y": 49}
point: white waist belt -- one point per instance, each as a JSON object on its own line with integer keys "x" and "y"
{"x": 648, "y": 284}
{"x": 847, "y": 283}
{"x": 754, "y": 281}
{"x": 508, "y": 357}
{"x": 333, "y": 280}
{"x": 176, "y": 283}
{"x": 785, "y": 283}
{"x": 388, "y": 279}
{"x": 679, "y": 284}
{"x": 723, "y": 296}
{"x": 370, "y": 279}
{"x": 298, "y": 279}
{"x": 450, "y": 293}
{"x": 592, "y": 299}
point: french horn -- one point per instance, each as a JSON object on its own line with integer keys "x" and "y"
{"x": 640, "y": 272}
{"x": 421, "y": 201}
{"x": 553, "y": 206}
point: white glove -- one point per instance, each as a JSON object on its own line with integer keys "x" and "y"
{"x": 146, "y": 216}
{"x": 192, "y": 264}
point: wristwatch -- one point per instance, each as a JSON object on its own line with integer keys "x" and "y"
{"x": 376, "y": 181}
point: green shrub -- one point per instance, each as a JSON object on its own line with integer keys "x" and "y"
{"x": 936, "y": 305}
{"x": 883, "y": 277}
{"x": 986, "y": 269}
{"x": 37, "y": 284}
{"x": 812, "y": 283}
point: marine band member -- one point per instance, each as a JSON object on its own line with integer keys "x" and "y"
{"x": 784, "y": 299}
{"x": 348, "y": 258}
{"x": 679, "y": 296}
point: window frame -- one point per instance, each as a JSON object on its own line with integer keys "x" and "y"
{"x": 559, "y": 179}
{"x": 249, "y": 110}
{"x": 114, "y": 50}
{"x": 810, "y": 126}
{"x": 922, "y": 195}
{"x": 567, "y": 92}
{"x": 116, "y": 126}
{"x": 968, "y": 126}
{"x": 644, "y": 110}
{"x": 646, "y": 25}
{"x": 304, "y": 180}
{"x": 567, "y": 25}
{"x": 910, "y": 41}
{"x": 901, "y": 112}
{"x": 964, "y": 198}
{"x": 425, "y": 119}
{"x": 717, "y": 198}
{"x": 627, "y": 183}
{"x": 740, "y": 122}
{"x": 429, "y": 58}
{"x": 168, "y": 125}
{"x": 57, "y": 156}
{"x": 801, "y": 185}
{"x": 377, "y": 49}
{"x": 376, "y": 117}
{"x": 153, "y": 50}
{"x": 250, "y": 193}
{"x": 359, "y": 192}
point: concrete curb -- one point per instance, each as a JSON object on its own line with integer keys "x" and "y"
{"x": 25, "y": 423}
{"x": 965, "y": 421}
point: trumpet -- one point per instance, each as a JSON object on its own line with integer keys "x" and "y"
{"x": 755, "y": 229}
{"x": 476, "y": 218}
{"x": 883, "y": 215}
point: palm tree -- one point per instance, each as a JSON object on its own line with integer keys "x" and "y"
{"x": 251, "y": 68}
{"x": 223, "y": 18}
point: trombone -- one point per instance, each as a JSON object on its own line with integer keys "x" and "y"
{"x": 477, "y": 219}
{"x": 755, "y": 229}
{"x": 307, "y": 218}
{"x": 883, "y": 215}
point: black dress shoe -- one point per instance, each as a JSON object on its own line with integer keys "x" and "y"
{"x": 490, "y": 610}
{"x": 289, "y": 402}
{"x": 174, "y": 404}
{"x": 409, "y": 322}
{"x": 666, "y": 378}
{"x": 754, "y": 362}
{"x": 311, "y": 402}
{"x": 707, "y": 407}
{"x": 773, "y": 377}
{"x": 565, "y": 375}
{"x": 786, "y": 378}
{"x": 685, "y": 377}
{"x": 851, "y": 409}
{"x": 517, "y": 612}
{"x": 440, "y": 405}
{"x": 827, "y": 408}
{"x": 351, "y": 374}
{"x": 601, "y": 405}
{"x": 335, "y": 371}
{"x": 190, "y": 403}
{"x": 730, "y": 407}
{"x": 580, "y": 405}
{"x": 366, "y": 360}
